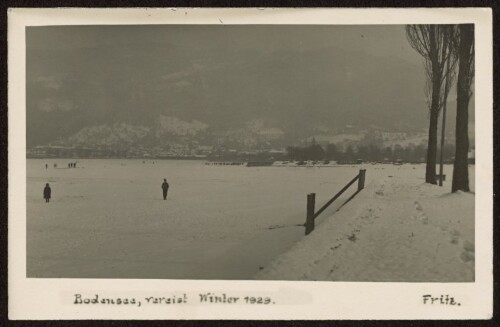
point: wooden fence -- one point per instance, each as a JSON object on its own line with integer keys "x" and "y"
{"x": 311, "y": 199}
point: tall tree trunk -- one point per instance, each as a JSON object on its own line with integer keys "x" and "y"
{"x": 443, "y": 124}
{"x": 430, "y": 169}
{"x": 464, "y": 79}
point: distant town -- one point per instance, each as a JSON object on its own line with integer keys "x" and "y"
{"x": 202, "y": 152}
{"x": 312, "y": 152}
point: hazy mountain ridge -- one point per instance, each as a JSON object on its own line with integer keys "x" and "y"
{"x": 292, "y": 92}
{"x": 252, "y": 135}
{"x": 175, "y": 126}
{"x": 105, "y": 135}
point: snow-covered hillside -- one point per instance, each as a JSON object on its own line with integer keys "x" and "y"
{"x": 178, "y": 127}
{"x": 108, "y": 135}
{"x": 173, "y": 130}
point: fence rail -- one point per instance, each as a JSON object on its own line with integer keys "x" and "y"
{"x": 311, "y": 200}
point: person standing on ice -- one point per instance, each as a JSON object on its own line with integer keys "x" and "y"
{"x": 47, "y": 192}
{"x": 165, "y": 187}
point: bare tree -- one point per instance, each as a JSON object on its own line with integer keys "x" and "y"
{"x": 435, "y": 44}
{"x": 449, "y": 79}
{"x": 465, "y": 78}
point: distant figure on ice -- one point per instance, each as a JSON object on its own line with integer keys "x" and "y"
{"x": 46, "y": 192}
{"x": 69, "y": 165}
{"x": 165, "y": 187}
{"x": 46, "y": 166}
{"x": 74, "y": 164}
{"x": 55, "y": 165}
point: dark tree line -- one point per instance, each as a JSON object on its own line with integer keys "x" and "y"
{"x": 366, "y": 153}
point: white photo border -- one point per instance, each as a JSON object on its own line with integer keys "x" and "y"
{"x": 42, "y": 298}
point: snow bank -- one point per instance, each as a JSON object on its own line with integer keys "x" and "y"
{"x": 398, "y": 229}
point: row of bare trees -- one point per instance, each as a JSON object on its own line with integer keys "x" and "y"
{"x": 444, "y": 47}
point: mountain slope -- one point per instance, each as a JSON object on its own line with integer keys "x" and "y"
{"x": 293, "y": 91}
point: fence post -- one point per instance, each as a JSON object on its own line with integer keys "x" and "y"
{"x": 361, "y": 180}
{"x": 311, "y": 199}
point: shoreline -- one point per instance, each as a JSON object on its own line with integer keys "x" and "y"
{"x": 396, "y": 230}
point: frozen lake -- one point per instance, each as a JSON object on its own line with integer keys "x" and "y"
{"x": 107, "y": 218}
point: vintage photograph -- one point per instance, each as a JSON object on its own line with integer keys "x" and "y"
{"x": 251, "y": 152}
{"x": 250, "y": 163}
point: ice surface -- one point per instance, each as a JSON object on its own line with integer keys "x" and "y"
{"x": 107, "y": 218}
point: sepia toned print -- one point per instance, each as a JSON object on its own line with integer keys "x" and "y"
{"x": 252, "y": 126}
{"x": 181, "y": 163}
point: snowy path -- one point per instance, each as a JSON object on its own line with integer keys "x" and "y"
{"x": 397, "y": 229}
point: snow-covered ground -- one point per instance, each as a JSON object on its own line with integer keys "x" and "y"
{"x": 107, "y": 219}
{"x": 397, "y": 229}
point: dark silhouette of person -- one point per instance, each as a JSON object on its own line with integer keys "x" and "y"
{"x": 165, "y": 187}
{"x": 69, "y": 165}
{"x": 46, "y": 166}
{"x": 47, "y": 192}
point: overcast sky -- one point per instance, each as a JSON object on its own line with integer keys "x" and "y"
{"x": 222, "y": 74}
{"x": 383, "y": 40}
